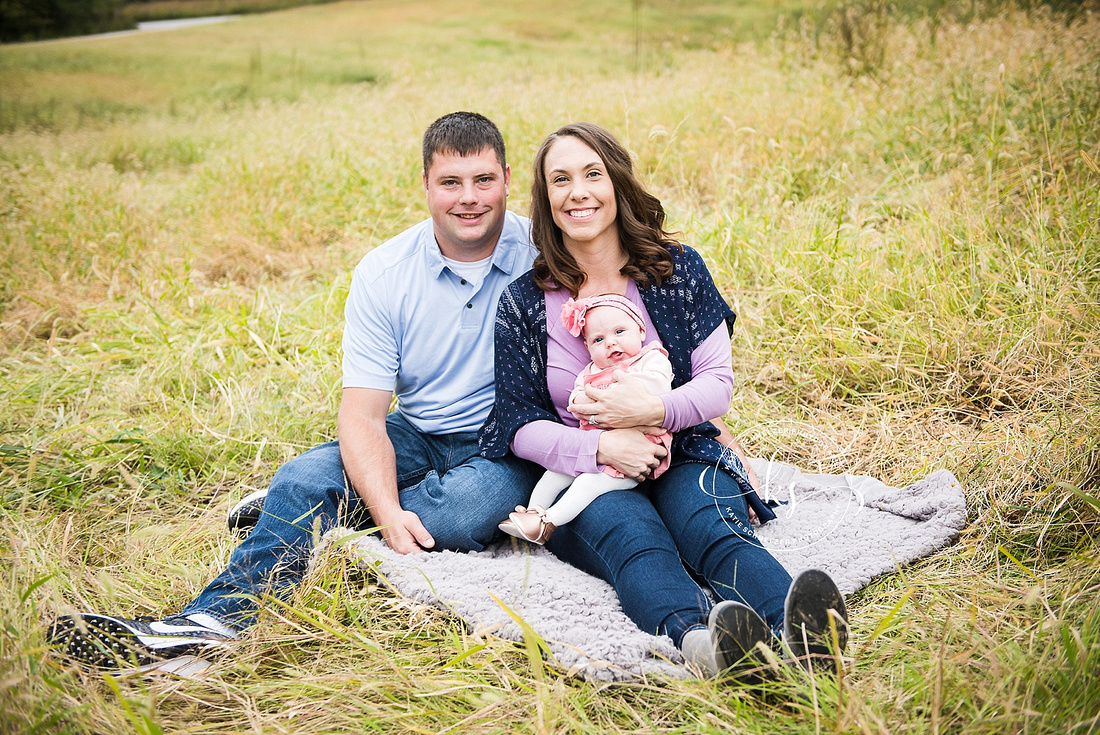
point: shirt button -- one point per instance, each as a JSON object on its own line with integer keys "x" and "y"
{"x": 463, "y": 281}
{"x": 469, "y": 306}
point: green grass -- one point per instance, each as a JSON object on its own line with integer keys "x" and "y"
{"x": 912, "y": 247}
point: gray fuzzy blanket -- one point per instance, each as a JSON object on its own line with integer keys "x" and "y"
{"x": 854, "y": 528}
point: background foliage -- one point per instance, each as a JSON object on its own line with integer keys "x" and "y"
{"x": 24, "y": 20}
{"x": 30, "y": 20}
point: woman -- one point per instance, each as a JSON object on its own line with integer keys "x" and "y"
{"x": 599, "y": 232}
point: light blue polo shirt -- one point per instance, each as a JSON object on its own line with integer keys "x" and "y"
{"x": 414, "y": 327}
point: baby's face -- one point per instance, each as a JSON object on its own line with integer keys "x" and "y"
{"x": 611, "y": 336}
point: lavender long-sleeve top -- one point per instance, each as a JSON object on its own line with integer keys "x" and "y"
{"x": 566, "y": 448}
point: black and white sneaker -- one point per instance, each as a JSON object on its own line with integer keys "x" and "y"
{"x": 813, "y": 610}
{"x": 102, "y": 641}
{"x": 737, "y": 633}
{"x": 246, "y": 513}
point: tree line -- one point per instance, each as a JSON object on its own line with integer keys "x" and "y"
{"x": 29, "y": 20}
{"x": 32, "y": 20}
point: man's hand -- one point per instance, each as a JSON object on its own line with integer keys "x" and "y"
{"x": 623, "y": 405}
{"x": 405, "y": 534}
{"x": 371, "y": 467}
{"x": 628, "y": 451}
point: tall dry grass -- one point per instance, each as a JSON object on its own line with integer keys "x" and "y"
{"x": 912, "y": 246}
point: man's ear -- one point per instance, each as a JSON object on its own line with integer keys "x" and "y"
{"x": 424, "y": 179}
{"x": 507, "y": 178}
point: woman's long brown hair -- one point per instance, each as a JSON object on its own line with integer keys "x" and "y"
{"x": 641, "y": 218}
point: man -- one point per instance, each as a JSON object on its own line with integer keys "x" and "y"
{"x": 419, "y": 323}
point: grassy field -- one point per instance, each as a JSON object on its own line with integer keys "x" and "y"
{"x": 904, "y": 212}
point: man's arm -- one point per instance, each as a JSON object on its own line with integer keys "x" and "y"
{"x": 370, "y": 464}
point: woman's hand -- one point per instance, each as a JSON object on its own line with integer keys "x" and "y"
{"x": 624, "y": 404}
{"x": 628, "y": 451}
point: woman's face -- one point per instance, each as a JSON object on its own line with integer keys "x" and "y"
{"x": 582, "y": 198}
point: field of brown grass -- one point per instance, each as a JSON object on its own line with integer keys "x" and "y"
{"x": 901, "y": 208}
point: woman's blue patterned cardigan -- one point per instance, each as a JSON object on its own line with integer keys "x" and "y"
{"x": 686, "y": 308}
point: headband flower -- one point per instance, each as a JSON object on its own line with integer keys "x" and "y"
{"x": 573, "y": 311}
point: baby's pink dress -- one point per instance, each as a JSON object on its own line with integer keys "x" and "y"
{"x": 652, "y": 367}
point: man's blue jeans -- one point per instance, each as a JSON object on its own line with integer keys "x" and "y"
{"x": 640, "y": 540}
{"x": 459, "y": 496}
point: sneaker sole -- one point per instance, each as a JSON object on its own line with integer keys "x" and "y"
{"x": 98, "y": 642}
{"x": 812, "y": 601}
{"x": 736, "y": 630}
{"x": 182, "y": 667}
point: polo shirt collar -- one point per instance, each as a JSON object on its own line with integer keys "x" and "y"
{"x": 504, "y": 257}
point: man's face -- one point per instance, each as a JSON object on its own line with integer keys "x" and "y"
{"x": 467, "y": 198}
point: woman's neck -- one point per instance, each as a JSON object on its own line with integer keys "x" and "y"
{"x": 601, "y": 262}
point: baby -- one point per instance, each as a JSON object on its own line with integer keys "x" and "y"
{"x": 613, "y": 331}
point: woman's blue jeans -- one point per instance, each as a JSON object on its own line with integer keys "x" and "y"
{"x": 640, "y": 540}
{"x": 459, "y": 496}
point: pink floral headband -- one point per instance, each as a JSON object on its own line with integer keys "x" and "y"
{"x": 573, "y": 310}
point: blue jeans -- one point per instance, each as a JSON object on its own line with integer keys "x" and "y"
{"x": 640, "y": 540}
{"x": 459, "y": 496}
